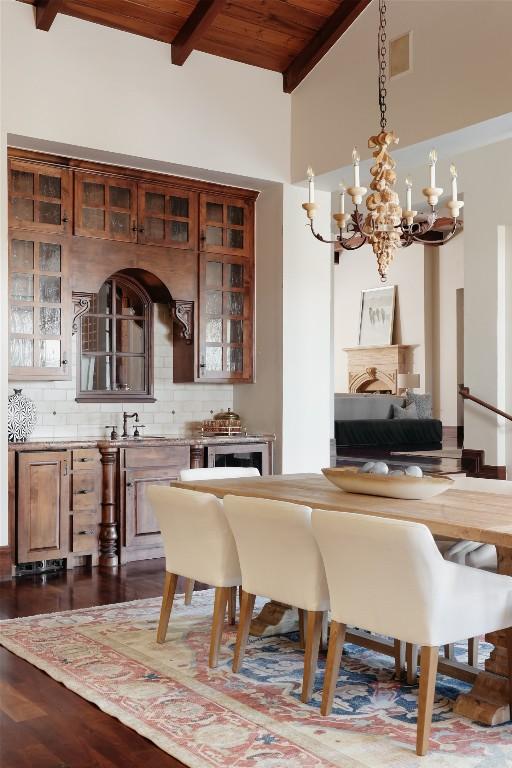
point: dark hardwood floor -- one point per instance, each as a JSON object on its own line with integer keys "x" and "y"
{"x": 44, "y": 725}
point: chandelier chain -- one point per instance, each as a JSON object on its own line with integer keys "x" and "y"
{"x": 382, "y": 56}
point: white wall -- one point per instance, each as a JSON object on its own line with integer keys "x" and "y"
{"x": 101, "y": 88}
{"x": 459, "y": 49}
{"x": 306, "y": 336}
{"x": 447, "y": 278}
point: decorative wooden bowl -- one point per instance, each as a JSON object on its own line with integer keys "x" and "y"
{"x": 349, "y": 479}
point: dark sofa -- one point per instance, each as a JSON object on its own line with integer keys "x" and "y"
{"x": 365, "y": 420}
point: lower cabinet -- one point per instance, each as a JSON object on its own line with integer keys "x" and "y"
{"x": 141, "y": 467}
{"x": 43, "y": 506}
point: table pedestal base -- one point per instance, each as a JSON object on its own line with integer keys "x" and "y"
{"x": 487, "y": 702}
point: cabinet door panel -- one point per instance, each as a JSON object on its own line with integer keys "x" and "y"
{"x": 43, "y": 506}
{"x": 226, "y": 225}
{"x": 167, "y": 216}
{"x": 39, "y": 306}
{"x": 105, "y": 207}
{"x": 141, "y": 527}
{"x": 39, "y": 197}
{"x": 225, "y": 318}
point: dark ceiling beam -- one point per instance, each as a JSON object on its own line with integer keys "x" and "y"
{"x": 194, "y": 28}
{"x": 332, "y": 30}
{"x": 46, "y": 11}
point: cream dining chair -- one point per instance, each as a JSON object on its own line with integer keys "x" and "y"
{"x": 404, "y": 589}
{"x": 279, "y": 559}
{"x": 215, "y": 473}
{"x": 198, "y": 544}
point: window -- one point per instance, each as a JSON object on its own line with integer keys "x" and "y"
{"x": 115, "y": 344}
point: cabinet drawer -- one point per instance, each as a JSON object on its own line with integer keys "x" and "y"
{"x": 85, "y": 531}
{"x": 85, "y": 458}
{"x": 84, "y": 490}
{"x": 177, "y": 456}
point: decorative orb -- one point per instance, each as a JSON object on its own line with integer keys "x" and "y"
{"x": 414, "y": 471}
{"x": 367, "y": 467}
{"x": 380, "y": 468}
{"x": 396, "y": 472}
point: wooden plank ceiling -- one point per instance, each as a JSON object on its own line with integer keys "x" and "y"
{"x": 288, "y": 36}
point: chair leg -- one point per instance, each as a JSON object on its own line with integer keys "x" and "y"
{"x": 449, "y": 651}
{"x": 313, "y": 634}
{"x": 189, "y": 590}
{"x": 428, "y": 671}
{"x": 399, "y": 647}
{"x": 171, "y": 580}
{"x": 336, "y": 640}
{"x": 244, "y": 625}
{"x": 302, "y": 634}
{"x": 232, "y": 606}
{"x": 219, "y": 614}
{"x": 509, "y": 664}
{"x": 473, "y": 644}
{"x": 411, "y": 655}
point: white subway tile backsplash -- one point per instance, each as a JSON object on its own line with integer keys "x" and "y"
{"x": 190, "y": 402}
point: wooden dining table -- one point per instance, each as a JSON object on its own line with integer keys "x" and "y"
{"x": 457, "y": 514}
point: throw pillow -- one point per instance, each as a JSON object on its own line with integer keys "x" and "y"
{"x": 409, "y": 412}
{"x": 423, "y": 404}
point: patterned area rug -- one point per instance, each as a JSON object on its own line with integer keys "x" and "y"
{"x": 215, "y": 719}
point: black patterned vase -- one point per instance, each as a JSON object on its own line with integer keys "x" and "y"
{"x": 21, "y": 417}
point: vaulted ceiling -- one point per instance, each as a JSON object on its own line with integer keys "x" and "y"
{"x": 288, "y": 36}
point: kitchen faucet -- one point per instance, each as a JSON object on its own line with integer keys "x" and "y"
{"x": 127, "y": 416}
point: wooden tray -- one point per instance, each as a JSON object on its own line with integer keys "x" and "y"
{"x": 349, "y": 479}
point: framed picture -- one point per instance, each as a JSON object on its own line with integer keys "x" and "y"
{"x": 377, "y": 315}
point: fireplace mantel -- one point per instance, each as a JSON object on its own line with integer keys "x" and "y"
{"x": 375, "y": 369}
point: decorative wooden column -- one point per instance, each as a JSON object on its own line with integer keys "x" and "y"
{"x": 109, "y": 550}
{"x": 196, "y": 456}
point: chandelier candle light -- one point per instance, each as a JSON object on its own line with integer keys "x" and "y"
{"x": 386, "y": 226}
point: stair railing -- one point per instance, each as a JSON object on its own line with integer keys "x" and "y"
{"x": 465, "y": 393}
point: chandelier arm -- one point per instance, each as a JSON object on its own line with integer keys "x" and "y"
{"x": 319, "y": 236}
{"x": 437, "y": 244}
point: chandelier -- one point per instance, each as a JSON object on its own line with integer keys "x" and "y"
{"x": 385, "y": 226}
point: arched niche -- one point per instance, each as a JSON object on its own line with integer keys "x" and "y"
{"x": 93, "y": 261}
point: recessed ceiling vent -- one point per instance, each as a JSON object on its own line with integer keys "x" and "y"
{"x": 400, "y": 55}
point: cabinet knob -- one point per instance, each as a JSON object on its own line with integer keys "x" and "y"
{"x": 64, "y": 362}
{"x": 129, "y": 485}
{"x": 84, "y": 490}
{"x": 85, "y": 533}
{"x": 83, "y": 458}
{"x": 64, "y": 219}
{"x": 141, "y": 230}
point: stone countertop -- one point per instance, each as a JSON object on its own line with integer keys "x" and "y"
{"x": 56, "y": 443}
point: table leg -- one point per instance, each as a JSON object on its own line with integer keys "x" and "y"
{"x": 488, "y": 700}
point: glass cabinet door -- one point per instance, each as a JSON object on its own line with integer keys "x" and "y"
{"x": 39, "y": 307}
{"x": 226, "y": 225}
{"x": 226, "y": 301}
{"x": 105, "y": 207}
{"x": 167, "y": 216}
{"x": 39, "y": 197}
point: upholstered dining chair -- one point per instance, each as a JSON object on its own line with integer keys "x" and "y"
{"x": 215, "y": 473}
{"x": 279, "y": 559}
{"x": 404, "y": 589}
{"x": 198, "y": 544}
